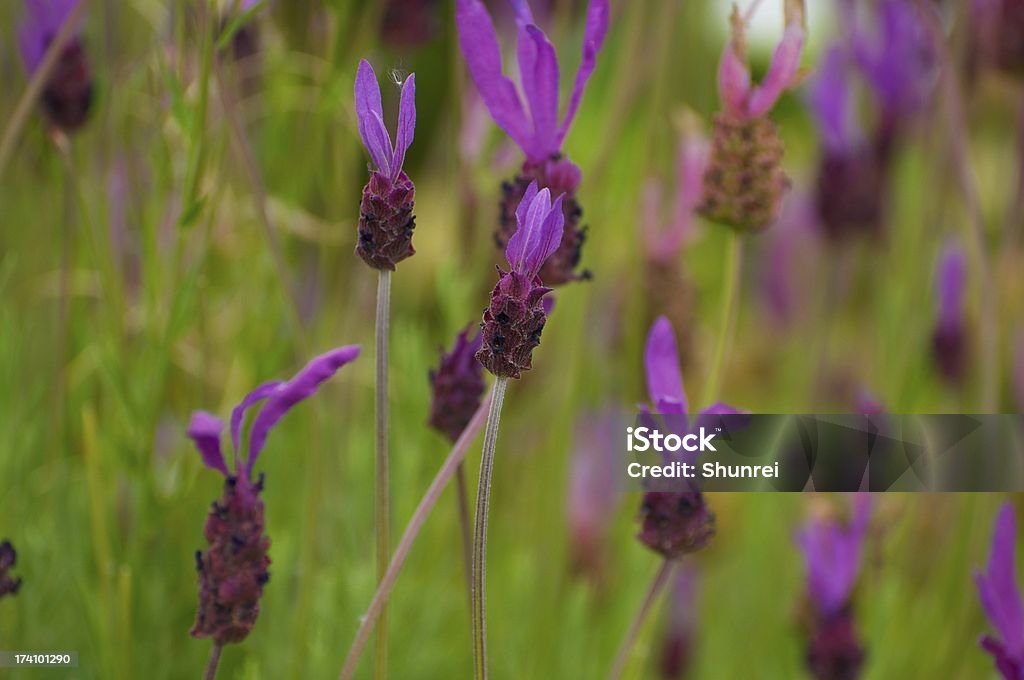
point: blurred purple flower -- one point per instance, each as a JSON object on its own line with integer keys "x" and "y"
{"x": 592, "y": 497}
{"x": 410, "y": 23}
{"x": 386, "y": 222}
{"x": 997, "y": 36}
{"x": 664, "y": 239}
{"x": 790, "y": 259}
{"x": 1000, "y": 598}
{"x": 8, "y": 558}
{"x": 949, "y": 338}
{"x": 67, "y": 94}
{"x": 744, "y": 182}
{"x": 673, "y": 523}
{"x": 458, "y": 386}
{"x": 515, "y": 317}
{"x": 832, "y": 553}
{"x": 677, "y": 645}
{"x": 535, "y": 125}
{"x": 233, "y": 569}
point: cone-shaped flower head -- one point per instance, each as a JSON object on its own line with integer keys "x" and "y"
{"x": 386, "y": 222}
{"x": 515, "y": 318}
{"x": 458, "y": 386}
{"x": 233, "y": 569}
{"x": 1000, "y": 598}
{"x": 832, "y": 553}
{"x": 9, "y": 585}
{"x": 744, "y": 182}
{"x": 673, "y": 523}
{"x": 534, "y": 124}
{"x": 67, "y": 95}
{"x": 949, "y": 339}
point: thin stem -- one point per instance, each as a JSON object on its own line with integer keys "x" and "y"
{"x": 382, "y": 505}
{"x": 657, "y": 585}
{"x": 211, "y": 666}
{"x": 483, "y": 500}
{"x": 36, "y": 83}
{"x": 462, "y": 498}
{"x": 729, "y": 312}
{"x": 64, "y": 306}
{"x": 444, "y": 475}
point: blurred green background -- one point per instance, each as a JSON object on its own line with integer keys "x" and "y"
{"x": 138, "y": 282}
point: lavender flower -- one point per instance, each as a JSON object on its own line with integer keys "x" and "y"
{"x": 673, "y": 523}
{"x": 534, "y": 127}
{"x": 8, "y": 558}
{"x": 1000, "y": 598}
{"x": 677, "y": 645}
{"x": 67, "y": 95}
{"x": 386, "y": 222}
{"x": 832, "y": 553}
{"x": 790, "y": 258}
{"x": 744, "y": 182}
{"x": 410, "y": 23}
{"x": 515, "y": 317}
{"x": 233, "y": 569}
{"x": 949, "y": 338}
{"x": 592, "y": 497}
{"x": 458, "y": 387}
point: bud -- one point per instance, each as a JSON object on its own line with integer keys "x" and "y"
{"x": 850, "y": 193}
{"x": 386, "y": 222}
{"x": 458, "y": 387}
{"x": 8, "y": 557}
{"x": 834, "y": 651}
{"x": 675, "y": 523}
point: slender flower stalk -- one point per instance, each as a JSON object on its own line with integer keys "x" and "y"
{"x": 661, "y": 579}
{"x": 1000, "y": 599}
{"x": 419, "y": 517}
{"x": 534, "y": 125}
{"x": 386, "y": 224}
{"x": 677, "y": 646}
{"x": 233, "y": 570}
{"x": 511, "y": 329}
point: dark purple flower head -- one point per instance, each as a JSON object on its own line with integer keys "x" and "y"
{"x": 1000, "y": 598}
{"x": 949, "y": 339}
{"x": 386, "y": 222}
{"x": 233, "y": 569}
{"x": 515, "y": 317}
{"x": 832, "y": 553}
{"x": 458, "y": 386}
{"x": 835, "y": 651}
{"x": 8, "y": 558}
{"x": 535, "y": 126}
{"x": 410, "y": 23}
{"x": 67, "y": 95}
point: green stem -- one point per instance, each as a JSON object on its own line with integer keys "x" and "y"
{"x": 462, "y": 498}
{"x": 483, "y": 497}
{"x": 657, "y": 585}
{"x": 729, "y": 312}
{"x": 382, "y": 506}
{"x": 419, "y": 517}
{"x": 211, "y": 666}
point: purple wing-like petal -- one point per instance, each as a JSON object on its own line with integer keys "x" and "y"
{"x": 406, "y": 124}
{"x": 733, "y": 81}
{"x": 549, "y": 237}
{"x": 524, "y": 15}
{"x": 42, "y": 22}
{"x": 538, "y": 68}
{"x": 370, "y": 115}
{"x": 781, "y": 72}
{"x": 526, "y": 202}
{"x": 593, "y": 39}
{"x": 529, "y": 216}
{"x": 204, "y": 429}
{"x": 829, "y": 100}
{"x": 301, "y": 387}
{"x": 661, "y": 363}
{"x": 238, "y": 413}
{"x": 997, "y": 588}
{"x": 951, "y": 278}
{"x": 479, "y": 44}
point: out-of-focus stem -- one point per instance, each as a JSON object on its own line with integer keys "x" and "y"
{"x": 444, "y": 475}
{"x": 36, "y": 83}
{"x": 657, "y": 585}
{"x": 211, "y": 666}
{"x": 382, "y": 504}
{"x": 729, "y": 312}
{"x": 462, "y": 498}
{"x": 483, "y": 500}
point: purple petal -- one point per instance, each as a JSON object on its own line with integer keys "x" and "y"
{"x": 204, "y": 429}
{"x": 43, "y": 20}
{"x": 549, "y": 237}
{"x": 951, "y": 277}
{"x": 238, "y": 413}
{"x": 781, "y": 72}
{"x": 661, "y": 363}
{"x": 538, "y": 234}
{"x": 593, "y": 39}
{"x": 523, "y": 13}
{"x": 287, "y": 395}
{"x": 406, "y": 124}
{"x": 479, "y": 44}
{"x": 733, "y": 81}
{"x": 370, "y": 115}
{"x": 538, "y": 68}
{"x": 829, "y": 101}
{"x": 997, "y": 588}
